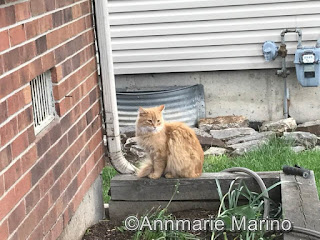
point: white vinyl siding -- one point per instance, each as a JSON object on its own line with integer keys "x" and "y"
{"x": 152, "y": 36}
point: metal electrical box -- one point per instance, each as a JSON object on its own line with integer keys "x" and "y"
{"x": 307, "y": 62}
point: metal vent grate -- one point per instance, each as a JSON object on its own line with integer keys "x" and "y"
{"x": 42, "y": 101}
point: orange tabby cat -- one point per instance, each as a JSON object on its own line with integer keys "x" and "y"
{"x": 174, "y": 149}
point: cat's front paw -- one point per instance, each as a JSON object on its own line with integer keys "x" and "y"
{"x": 154, "y": 175}
{"x": 169, "y": 175}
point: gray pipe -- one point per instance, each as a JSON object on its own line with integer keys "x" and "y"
{"x": 306, "y": 231}
{"x": 292, "y": 30}
{"x": 284, "y": 72}
{"x": 261, "y": 185}
{"x": 263, "y": 188}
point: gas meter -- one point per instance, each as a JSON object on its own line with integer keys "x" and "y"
{"x": 308, "y": 66}
{"x": 306, "y": 60}
{"x": 270, "y": 51}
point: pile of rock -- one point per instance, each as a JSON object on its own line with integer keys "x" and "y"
{"x": 238, "y": 137}
{"x": 232, "y": 135}
{"x": 235, "y": 134}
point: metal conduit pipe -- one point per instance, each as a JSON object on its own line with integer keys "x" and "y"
{"x": 284, "y": 72}
{"x": 292, "y": 30}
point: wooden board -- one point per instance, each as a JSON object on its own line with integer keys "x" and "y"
{"x": 131, "y": 188}
{"x": 119, "y": 210}
{"x": 300, "y": 203}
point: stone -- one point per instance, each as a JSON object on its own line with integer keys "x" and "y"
{"x": 123, "y": 138}
{"x": 298, "y": 149}
{"x": 206, "y": 140}
{"x": 130, "y": 142}
{"x": 200, "y": 132}
{"x": 239, "y": 152}
{"x": 279, "y": 126}
{"x": 223, "y": 122}
{"x": 215, "y": 151}
{"x": 229, "y": 133}
{"x": 138, "y": 151}
{"x": 317, "y": 148}
{"x": 305, "y": 139}
{"x": 311, "y": 127}
{"x": 248, "y": 138}
{"x": 248, "y": 145}
{"x": 242, "y": 148}
{"x": 129, "y": 131}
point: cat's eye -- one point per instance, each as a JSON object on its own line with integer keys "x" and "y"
{"x": 150, "y": 121}
{"x": 158, "y": 121}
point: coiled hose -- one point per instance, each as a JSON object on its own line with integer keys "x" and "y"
{"x": 260, "y": 183}
{"x": 266, "y": 211}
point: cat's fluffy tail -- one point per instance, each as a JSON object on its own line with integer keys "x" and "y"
{"x": 145, "y": 169}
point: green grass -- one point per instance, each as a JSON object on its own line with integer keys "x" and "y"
{"x": 107, "y": 173}
{"x": 269, "y": 157}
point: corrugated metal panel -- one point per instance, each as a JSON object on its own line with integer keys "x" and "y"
{"x": 183, "y": 35}
{"x": 184, "y": 104}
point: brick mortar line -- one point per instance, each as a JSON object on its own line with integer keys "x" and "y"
{"x": 14, "y": 138}
{"x": 43, "y": 155}
{"x": 39, "y": 16}
{"x": 14, "y": 115}
{"x": 43, "y": 34}
{"x": 12, "y": 234}
{"x": 48, "y": 50}
{"x": 70, "y": 56}
{"x": 54, "y": 84}
{"x": 74, "y": 195}
{"x": 79, "y": 187}
{"x": 30, "y": 104}
{"x": 30, "y": 61}
{"x": 12, "y": 3}
{"x": 59, "y": 101}
{"x": 8, "y": 143}
{"x": 19, "y": 133}
{"x": 76, "y": 70}
{"x": 48, "y": 170}
{"x": 30, "y": 146}
{"x": 12, "y": 93}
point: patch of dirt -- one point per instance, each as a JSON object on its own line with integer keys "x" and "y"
{"x": 106, "y": 229}
{"x": 193, "y": 214}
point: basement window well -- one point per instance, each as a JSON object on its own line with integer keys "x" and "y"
{"x": 42, "y": 101}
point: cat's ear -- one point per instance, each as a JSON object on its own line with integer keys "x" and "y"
{"x": 161, "y": 108}
{"x": 142, "y": 111}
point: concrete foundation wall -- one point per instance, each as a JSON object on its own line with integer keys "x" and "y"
{"x": 256, "y": 94}
{"x": 90, "y": 211}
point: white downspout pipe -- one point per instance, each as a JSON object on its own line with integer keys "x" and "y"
{"x": 109, "y": 90}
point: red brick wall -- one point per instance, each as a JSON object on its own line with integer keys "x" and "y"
{"x": 44, "y": 177}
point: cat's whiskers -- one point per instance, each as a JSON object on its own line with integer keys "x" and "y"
{"x": 148, "y": 129}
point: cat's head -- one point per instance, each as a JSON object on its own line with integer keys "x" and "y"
{"x": 150, "y": 120}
